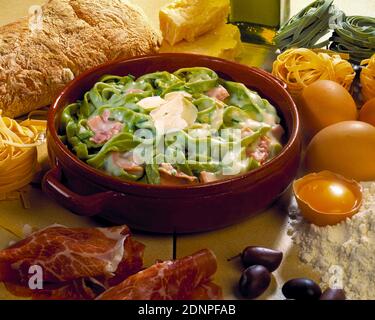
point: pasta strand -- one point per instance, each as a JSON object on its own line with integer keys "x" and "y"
{"x": 18, "y": 153}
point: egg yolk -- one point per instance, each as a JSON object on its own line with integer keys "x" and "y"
{"x": 328, "y": 196}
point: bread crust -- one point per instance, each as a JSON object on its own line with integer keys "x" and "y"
{"x": 35, "y": 65}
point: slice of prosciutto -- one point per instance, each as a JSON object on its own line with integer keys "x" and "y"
{"x": 74, "y": 261}
{"x": 182, "y": 279}
{"x": 80, "y": 289}
{"x": 207, "y": 291}
{"x": 103, "y": 128}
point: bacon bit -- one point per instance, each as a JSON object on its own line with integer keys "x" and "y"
{"x": 127, "y": 162}
{"x": 262, "y": 151}
{"x": 206, "y": 177}
{"x": 219, "y": 93}
{"x": 171, "y": 176}
{"x": 170, "y": 280}
{"x": 129, "y": 91}
{"x": 103, "y": 128}
{"x": 278, "y": 132}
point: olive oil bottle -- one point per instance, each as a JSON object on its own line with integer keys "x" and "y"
{"x": 259, "y": 20}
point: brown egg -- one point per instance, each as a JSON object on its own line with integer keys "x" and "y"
{"x": 324, "y": 103}
{"x": 367, "y": 113}
{"x": 346, "y": 148}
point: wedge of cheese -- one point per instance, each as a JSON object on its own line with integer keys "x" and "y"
{"x": 188, "y": 19}
{"x": 224, "y": 42}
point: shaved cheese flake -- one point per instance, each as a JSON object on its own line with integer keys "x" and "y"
{"x": 150, "y": 103}
{"x": 175, "y": 115}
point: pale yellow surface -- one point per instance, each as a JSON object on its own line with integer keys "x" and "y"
{"x": 267, "y": 229}
{"x": 6, "y": 238}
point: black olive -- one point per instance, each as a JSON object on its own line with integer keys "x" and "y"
{"x": 269, "y": 258}
{"x": 301, "y": 289}
{"x": 254, "y": 281}
{"x": 333, "y": 294}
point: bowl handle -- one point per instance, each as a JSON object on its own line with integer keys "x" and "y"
{"x": 87, "y": 206}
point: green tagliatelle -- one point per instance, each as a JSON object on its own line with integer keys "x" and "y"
{"x": 354, "y": 35}
{"x": 305, "y": 28}
{"x": 213, "y": 128}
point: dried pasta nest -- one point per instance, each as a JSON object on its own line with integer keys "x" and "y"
{"x": 368, "y": 78}
{"x": 307, "y": 27}
{"x": 354, "y": 35}
{"x": 18, "y": 153}
{"x": 301, "y": 67}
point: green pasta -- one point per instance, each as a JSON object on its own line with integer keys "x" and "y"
{"x": 211, "y": 127}
{"x": 305, "y": 28}
{"x": 355, "y": 35}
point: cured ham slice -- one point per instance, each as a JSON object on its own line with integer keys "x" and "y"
{"x": 182, "y": 279}
{"x": 207, "y": 291}
{"x": 73, "y": 261}
{"x": 79, "y": 289}
{"x": 103, "y": 128}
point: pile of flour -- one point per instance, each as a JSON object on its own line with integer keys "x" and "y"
{"x": 344, "y": 254}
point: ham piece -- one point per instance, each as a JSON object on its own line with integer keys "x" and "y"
{"x": 75, "y": 262}
{"x": 219, "y": 93}
{"x": 103, "y": 128}
{"x": 262, "y": 151}
{"x": 183, "y": 279}
{"x": 172, "y": 177}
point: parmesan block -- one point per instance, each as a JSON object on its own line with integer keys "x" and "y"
{"x": 188, "y": 19}
{"x": 223, "y": 42}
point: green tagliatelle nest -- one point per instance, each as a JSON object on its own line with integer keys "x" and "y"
{"x": 354, "y": 35}
{"x": 305, "y": 28}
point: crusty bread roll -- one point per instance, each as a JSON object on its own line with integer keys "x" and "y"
{"x": 75, "y": 35}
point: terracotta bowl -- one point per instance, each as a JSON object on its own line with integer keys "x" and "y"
{"x": 164, "y": 209}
